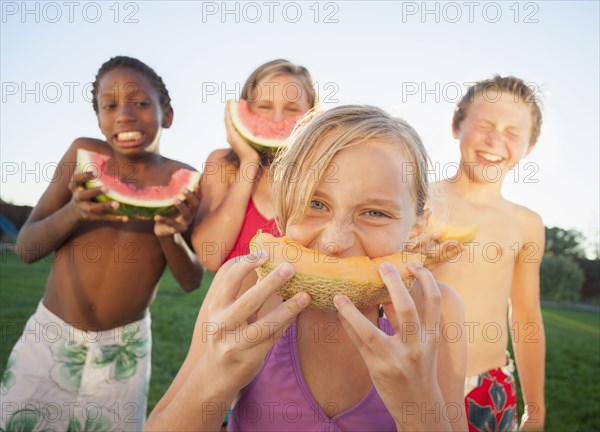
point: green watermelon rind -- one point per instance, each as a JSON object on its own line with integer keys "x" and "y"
{"x": 128, "y": 206}
{"x": 136, "y": 211}
{"x": 260, "y": 144}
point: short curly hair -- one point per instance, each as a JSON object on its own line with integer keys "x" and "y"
{"x": 139, "y": 66}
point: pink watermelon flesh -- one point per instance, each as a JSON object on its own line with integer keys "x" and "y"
{"x": 142, "y": 203}
{"x": 262, "y": 129}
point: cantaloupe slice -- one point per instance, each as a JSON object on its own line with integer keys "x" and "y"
{"x": 323, "y": 276}
{"x": 461, "y": 234}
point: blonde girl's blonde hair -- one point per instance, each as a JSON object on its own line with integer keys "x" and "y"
{"x": 280, "y": 67}
{"x": 319, "y": 136}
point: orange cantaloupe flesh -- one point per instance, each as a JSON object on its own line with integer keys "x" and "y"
{"x": 324, "y": 276}
{"x": 461, "y": 234}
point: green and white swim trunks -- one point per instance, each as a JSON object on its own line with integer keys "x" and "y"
{"x": 60, "y": 378}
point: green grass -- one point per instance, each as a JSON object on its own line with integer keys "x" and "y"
{"x": 173, "y": 313}
{"x": 572, "y": 369}
{"x": 572, "y": 338}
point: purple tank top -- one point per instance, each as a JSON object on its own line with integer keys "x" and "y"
{"x": 279, "y": 399}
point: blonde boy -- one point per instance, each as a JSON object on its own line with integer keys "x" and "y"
{"x": 497, "y": 124}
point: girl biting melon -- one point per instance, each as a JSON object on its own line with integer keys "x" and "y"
{"x": 359, "y": 190}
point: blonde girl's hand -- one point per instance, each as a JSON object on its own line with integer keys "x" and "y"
{"x": 168, "y": 226}
{"x": 242, "y": 149}
{"x": 403, "y": 366}
{"x": 236, "y": 341}
{"x": 82, "y": 200}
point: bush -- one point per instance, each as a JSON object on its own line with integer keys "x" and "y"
{"x": 561, "y": 279}
{"x": 591, "y": 283}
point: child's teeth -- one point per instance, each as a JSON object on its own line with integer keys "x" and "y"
{"x": 129, "y": 136}
{"x": 490, "y": 157}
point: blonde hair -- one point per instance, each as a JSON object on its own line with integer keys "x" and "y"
{"x": 318, "y": 137}
{"x": 515, "y": 87}
{"x": 280, "y": 67}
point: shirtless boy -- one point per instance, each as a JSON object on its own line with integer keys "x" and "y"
{"x": 497, "y": 124}
{"x": 83, "y": 361}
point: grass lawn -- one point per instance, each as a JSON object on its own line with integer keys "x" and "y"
{"x": 572, "y": 369}
{"x": 572, "y": 337}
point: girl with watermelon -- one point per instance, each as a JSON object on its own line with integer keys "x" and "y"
{"x": 297, "y": 366}
{"x": 83, "y": 362}
{"x": 236, "y": 182}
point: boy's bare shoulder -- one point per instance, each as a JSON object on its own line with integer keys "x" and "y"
{"x": 442, "y": 196}
{"x": 529, "y": 222}
{"x": 443, "y": 190}
{"x": 525, "y": 215}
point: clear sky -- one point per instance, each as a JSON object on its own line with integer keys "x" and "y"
{"x": 411, "y": 58}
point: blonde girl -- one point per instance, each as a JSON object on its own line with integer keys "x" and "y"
{"x": 236, "y": 186}
{"x": 360, "y": 186}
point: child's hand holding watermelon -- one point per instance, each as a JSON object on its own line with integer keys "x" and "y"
{"x": 240, "y": 146}
{"x": 83, "y": 200}
{"x": 168, "y": 226}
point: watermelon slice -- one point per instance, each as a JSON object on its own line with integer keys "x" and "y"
{"x": 137, "y": 203}
{"x": 261, "y": 133}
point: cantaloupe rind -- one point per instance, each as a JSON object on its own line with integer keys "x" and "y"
{"x": 356, "y": 277}
{"x": 460, "y": 234}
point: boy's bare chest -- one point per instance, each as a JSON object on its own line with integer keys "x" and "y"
{"x": 119, "y": 242}
{"x": 498, "y": 227}
{"x": 487, "y": 263}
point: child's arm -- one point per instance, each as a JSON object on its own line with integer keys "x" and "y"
{"x": 182, "y": 261}
{"x": 452, "y": 358}
{"x": 529, "y": 340}
{"x": 220, "y": 362}
{"x": 63, "y": 207}
{"x": 403, "y": 366}
{"x": 223, "y": 206}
